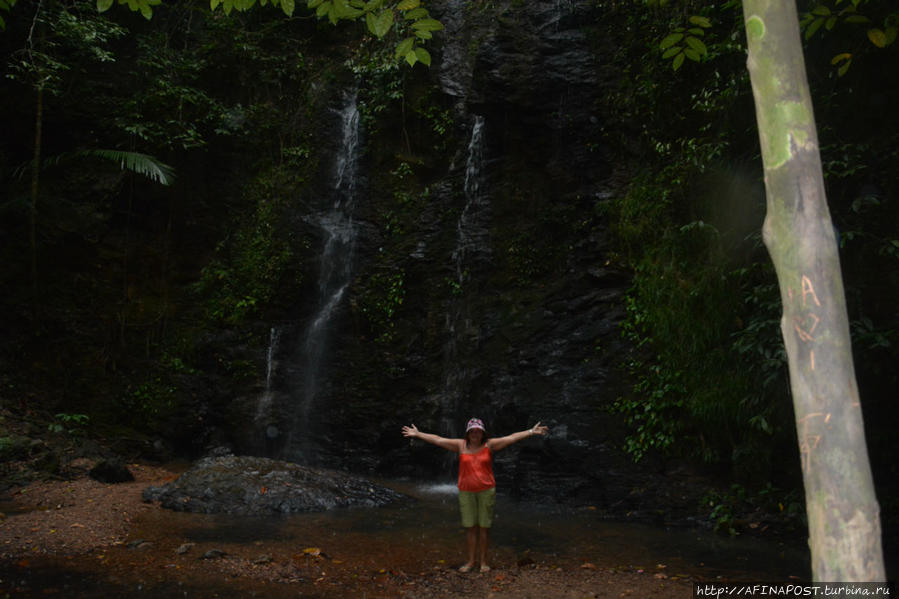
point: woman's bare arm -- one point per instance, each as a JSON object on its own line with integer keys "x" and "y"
{"x": 500, "y": 442}
{"x": 448, "y": 444}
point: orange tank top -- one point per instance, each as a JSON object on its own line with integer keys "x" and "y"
{"x": 476, "y": 471}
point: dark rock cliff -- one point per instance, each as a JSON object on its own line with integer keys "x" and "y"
{"x": 485, "y": 287}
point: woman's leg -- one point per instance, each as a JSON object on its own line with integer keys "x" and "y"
{"x": 484, "y": 538}
{"x": 486, "y": 503}
{"x": 471, "y": 541}
{"x": 468, "y": 507}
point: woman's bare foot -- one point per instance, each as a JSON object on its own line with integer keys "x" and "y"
{"x": 485, "y": 568}
{"x": 465, "y": 568}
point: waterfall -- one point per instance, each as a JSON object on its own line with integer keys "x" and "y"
{"x": 265, "y": 429}
{"x": 335, "y": 272}
{"x": 263, "y": 406}
{"x": 472, "y": 243}
{"x": 471, "y": 234}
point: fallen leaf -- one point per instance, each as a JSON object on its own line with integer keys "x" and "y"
{"x": 588, "y": 566}
{"x": 313, "y": 551}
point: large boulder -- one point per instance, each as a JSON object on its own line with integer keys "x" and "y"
{"x": 258, "y": 486}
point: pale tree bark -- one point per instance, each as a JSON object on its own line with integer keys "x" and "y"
{"x": 843, "y": 515}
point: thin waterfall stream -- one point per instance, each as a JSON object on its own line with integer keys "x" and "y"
{"x": 263, "y": 406}
{"x": 472, "y": 240}
{"x": 335, "y": 272}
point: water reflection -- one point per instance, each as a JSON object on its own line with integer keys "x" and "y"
{"x": 426, "y": 531}
{"x": 570, "y": 533}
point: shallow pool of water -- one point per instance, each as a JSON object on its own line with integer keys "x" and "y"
{"x": 425, "y": 531}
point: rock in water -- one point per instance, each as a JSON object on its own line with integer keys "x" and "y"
{"x": 258, "y": 486}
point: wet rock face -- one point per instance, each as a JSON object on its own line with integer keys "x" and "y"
{"x": 260, "y": 486}
{"x": 530, "y": 331}
{"x": 510, "y": 302}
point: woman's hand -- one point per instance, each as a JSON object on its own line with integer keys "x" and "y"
{"x": 412, "y": 431}
{"x": 538, "y": 429}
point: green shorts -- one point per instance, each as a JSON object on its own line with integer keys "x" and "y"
{"x": 477, "y": 508}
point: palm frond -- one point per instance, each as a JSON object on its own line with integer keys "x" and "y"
{"x": 142, "y": 164}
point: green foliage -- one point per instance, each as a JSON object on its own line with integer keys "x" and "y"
{"x": 653, "y": 412}
{"x": 380, "y": 300}
{"x": 69, "y": 38}
{"x": 256, "y": 261}
{"x": 70, "y": 424}
{"x": 407, "y": 20}
{"x": 691, "y": 394}
{"x": 382, "y": 84}
{"x": 173, "y": 110}
{"x": 879, "y": 20}
{"x": 149, "y": 403}
{"x": 729, "y": 510}
{"x": 145, "y": 7}
{"x": 527, "y": 259}
{"x": 135, "y": 162}
{"x": 686, "y": 42}
{"x": 5, "y": 6}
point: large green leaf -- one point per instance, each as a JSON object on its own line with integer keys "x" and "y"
{"x": 423, "y": 55}
{"x": 890, "y": 34}
{"x": 877, "y": 37}
{"x": 671, "y": 52}
{"x": 288, "y": 6}
{"x": 697, "y": 45}
{"x": 104, "y": 5}
{"x": 408, "y": 4}
{"x": 428, "y": 25}
{"x": 416, "y": 13}
{"x": 701, "y": 21}
{"x": 383, "y": 23}
{"x": 404, "y": 47}
{"x": 670, "y": 40}
{"x": 815, "y": 26}
{"x": 142, "y": 164}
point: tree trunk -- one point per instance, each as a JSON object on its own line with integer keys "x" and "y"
{"x": 843, "y": 515}
{"x": 35, "y": 188}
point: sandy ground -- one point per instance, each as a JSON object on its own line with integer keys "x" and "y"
{"x": 82, "y": 538}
